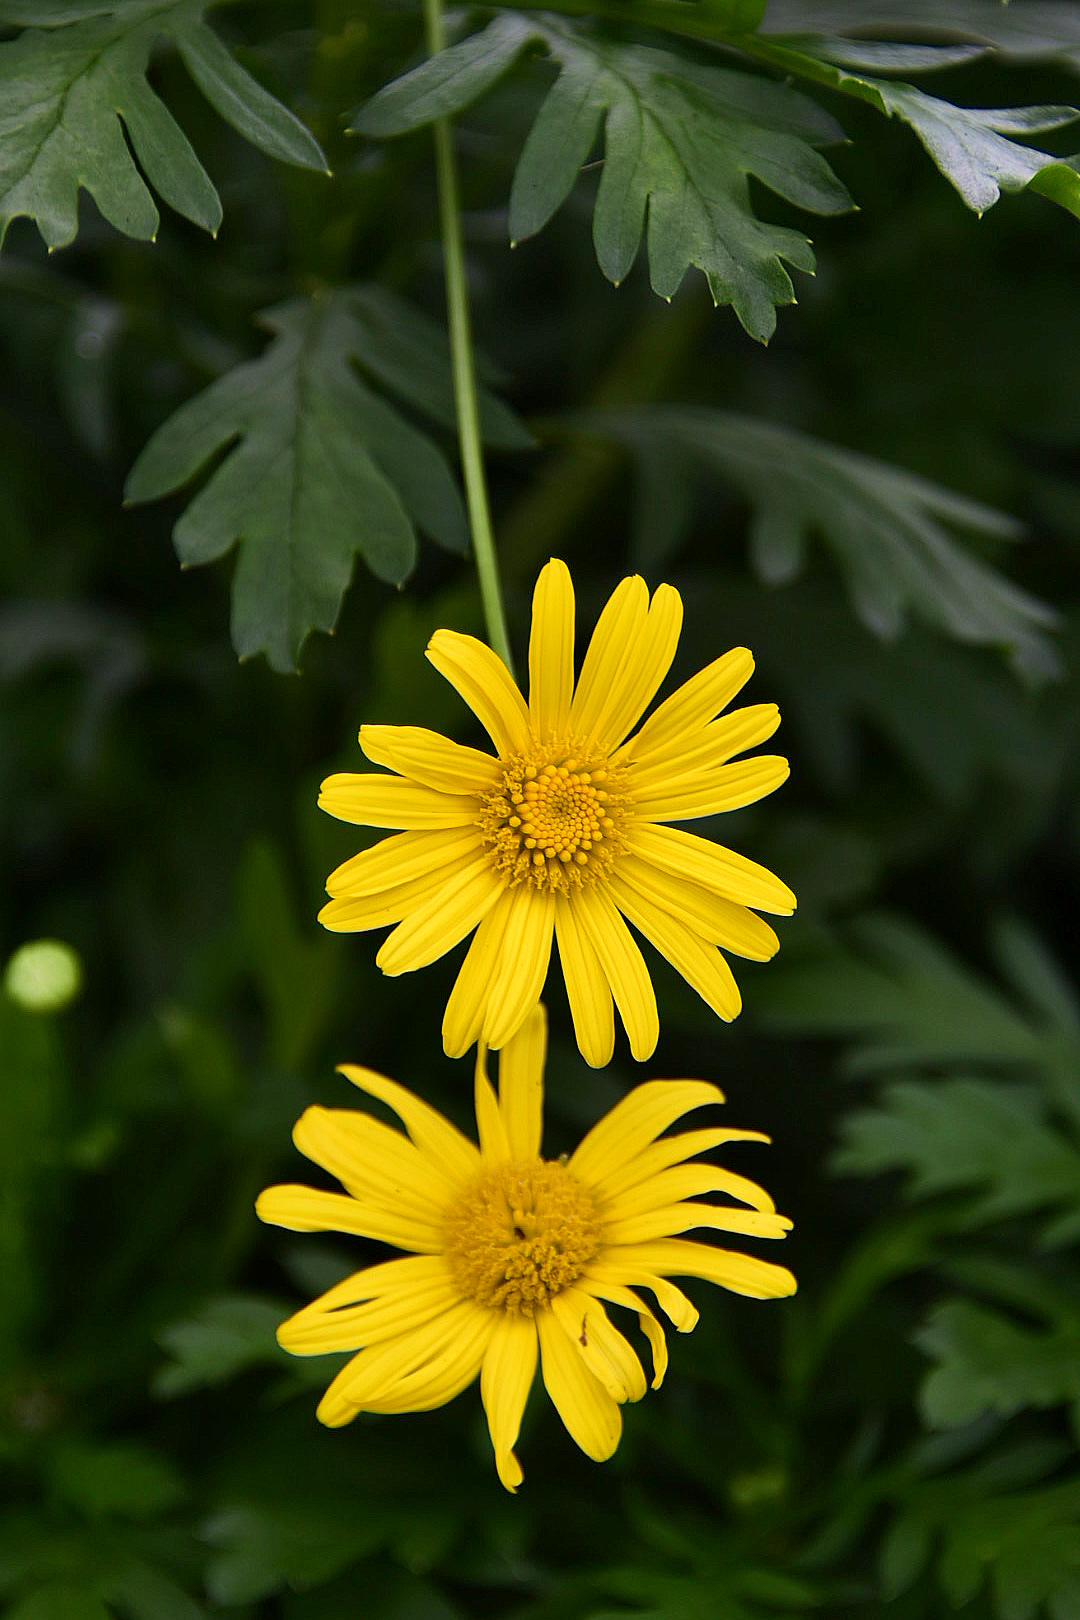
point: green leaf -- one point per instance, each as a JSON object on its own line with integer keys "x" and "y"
{"x": 60, "y": 1601}
{"x": 225, "y": 1337}
{"x": 74, "y": 94}
{"x": 324, "y": 468}
{"x": 889, "y": 529}
{"x": 681, "y": 142}
{"x": 989, "y": 1363}
{"x": 1037, "y": 31}
{"x": 113, "y": 1481}
{"x": 263, "y": 1548}
{"x": 970, "y": 145}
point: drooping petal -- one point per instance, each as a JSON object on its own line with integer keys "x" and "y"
{"x": 490, "y": 1130}
{"x": 646, "y": 1165}
{"x": 361, "y": 912}
{"x": 675, "y": 1257}
{"x": 521, "y": 1085}
{"x": 393, "y": 801}
{"x": 701, "y": 965}
{"x": 608, "y": 1355}
{"x": 623, "y": 965}
{"x": 523, "y": 963}
{"x": 693, "y": 704}
{"x": 684, "y": 1181}
{"x": 635, "y": 1121}
{"x": 617, "y": 629}
{"x": 463, "y": 1019}
{"x": 716, "y": 920}
{"x": 616, "y": 1294}
{"x": 432, "y": 1133}
{"x": 305, "y": 1209}
{"x": 439, "y": 1346}
{"x": 704, "y": 748}
{"x": 505, "y": 1380}
{"x": 402, "y": 859}
{"x": 718, "y": 869}
{"x": 480, "y": 677}
{"x": 551, "y": 651}
{"x": 430, "y": 758}
{"x": 593, "y": 1420}
{"x": 712, "y": 793}
{"x": 587, "y": 988}
{"x": 690, "y": 1217}
{"x": 445, "y": 1375}
{"x": 453, "y": 910}
{"x": 610, "y": 1272}
{"x": 372, "y": 1161}
{"x": 316, "y": 1331}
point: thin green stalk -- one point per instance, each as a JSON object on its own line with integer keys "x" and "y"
{"x": 461, "y": 355}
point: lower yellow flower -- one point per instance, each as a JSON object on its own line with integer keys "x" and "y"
{"x": 513, "y": 1257}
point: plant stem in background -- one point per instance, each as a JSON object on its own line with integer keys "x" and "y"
{"x": 468, "y": 416}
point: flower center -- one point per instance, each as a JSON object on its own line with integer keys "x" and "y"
{"x": 520, "y": 1234}
{"x": 554, "y": 821}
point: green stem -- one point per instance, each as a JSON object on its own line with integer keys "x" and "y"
{"x": 461, "y": 356}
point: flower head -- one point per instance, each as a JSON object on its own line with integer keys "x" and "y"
{"x": 514, "y": 1257}
{"x": 559, "y": 835}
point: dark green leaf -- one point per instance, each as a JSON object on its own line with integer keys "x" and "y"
{"x": 989, "y": 1363}
{"x": 113, "y": 1481}
{"x": 225, "y": 1337}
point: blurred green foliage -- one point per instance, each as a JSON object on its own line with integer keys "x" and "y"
{"x": 902, "y": 1436}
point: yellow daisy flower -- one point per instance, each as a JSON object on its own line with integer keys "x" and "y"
{"x": 513, "y": 1255}
{"x": 559, "y": 834}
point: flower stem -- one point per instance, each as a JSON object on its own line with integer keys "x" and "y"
{"x": 464, "y": 371}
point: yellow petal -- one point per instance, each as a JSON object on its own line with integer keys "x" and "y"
{"x": 701, "y": 965}
{"x": 372, "y": 1161}
{"x": 608, "y": 1272}
{"x": 453, "y": 910}
{"x": 646, "y": 1165}
{"x": 705, "y": 748}
{"x": 521, "y": 1085}
{"x": 454, "y": 1155}
{"x": 684, "y": 1181}
{"x": 523, "y": 964}
{"x": 463, "y": 1019}
{"x": 391, "y": 801}
{"x": 715, "y": 868}
{"x": 623, "y": 965}
{"x": 490, "y": 1130}
{"x": 447, "y": 1374}
{"x": 635, "y": 677}
{"x": 430, "y": 759}
{"x": 635, "y": 1121}
{"x": 607, "y": 1354}
{"x": 587, "y": 988}
{"x": 592, "y": 1418}
{"x": 306, "y": 1209}
{"x": 551, "y": 652}
{"x": 718, "y": 921}
{"x": 405, "y": 1371}
{"x": 402, "y": 859}
{"x": 615, "y": 1294}
{"x": 505, "y": 1380}
{"x": 617, "y": 630}
{"x": 694, "y": 703}
{"x": 480, "y": 677}
{"x": 662, "y": 1223}
{"x": 361, "y": 912}
{"x": 712, "y": 793}
{"x": 741, "y": 1273}
{"x": 316, "y": 1331}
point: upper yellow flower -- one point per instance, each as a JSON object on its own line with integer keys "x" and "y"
{"x": 513, "y": 1255}
{"x": 560, "y": 832}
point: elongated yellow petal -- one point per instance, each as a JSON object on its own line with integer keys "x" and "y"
{"x": 617, "y": 630}
{"x": 372, "y": 1161}
{"x": 480, "y": 677}
{"x": 430, "y": 758}
{"x": 392, "y": 801}
{"x": 684, "y": 1181}
{"x": 454, "y": 1155}
{"x": 463, "y": 1019}
{"x": 607, "y": 1354}
{"x": 711, "y": 793}
{"x": 490, "y": 1130}
{"x": 551, "y": 652}
{"x": 505, "y": 1380}
{"x": 315, "y": 1331}
{"x": 635, "y": 1121}
{"x": 523, "y": 964}
{"x": 716, "y": 920}
{"x": 741, "y": 1273}
{"x": 446, "y": 1375}
{"x": 361, "y": 912}
{"x": 521, "y": 1085}
{"x": 592, "y": 1418}
{"x": 666, "y": 1222}
{"x": 704, "y": 748}
{"x": 718, "y": 869}
{"x": 390, "y": 1277}
{"x": 401, "y": 859}
{"x": 454, "y": 909}
{"x": 305, "y": 1209}
{"x": 587, "y": 988}
{"x": 607, "y": 1272}
{"x": 646, "y": 1165}
{"x": 382, "y": 1370}
{"x": 694, "y": 703}
{"x": 623, "y": 965}
{"x": 701, "y": 965}
{"x": 615, "y": 1294}
{"x": 638, "y": 673}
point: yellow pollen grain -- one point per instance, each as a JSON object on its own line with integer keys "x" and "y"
{"x": 520, "y": 1234}
{"x": 550, "y": 823}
